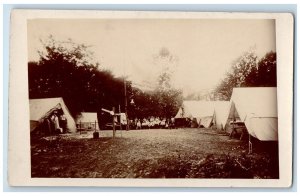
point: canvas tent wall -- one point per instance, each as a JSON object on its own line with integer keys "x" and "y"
{"x": 257, "y": 107}
{"x": 206, "y": 112}
{"x": 42, "y": 108}
{"x": 221, "y": 109}
{"x": 202, "y": 111}
{"x": 218, "y": 111}
{"x": 88, "y": 120}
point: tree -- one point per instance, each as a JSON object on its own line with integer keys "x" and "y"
{"x": 265, "y": 72}
{"x": 66, "y": 69}
{"x": 146, "y": 104}
{"x": 237, "y": 75}
{"x": 247, "y": 71}
{"x": 164, "y": 100}
{"x": 168, "y": 97}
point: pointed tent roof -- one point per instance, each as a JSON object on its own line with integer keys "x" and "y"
{"x": 41, "y": 108}
{"x": 257, "y": 107}
{"x": 195, "y": 109}
{"x": 204, "y": 109}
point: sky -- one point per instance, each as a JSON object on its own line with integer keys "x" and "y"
{"x": 198, "y": 51}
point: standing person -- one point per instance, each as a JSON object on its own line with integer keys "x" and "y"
{"x": 167, "y": 124}
{"x": 172, "y": 123}
{"x": 138, "y": 124}
{"x": 48, "y": 127}
{"x": 234, "y": 131}
{"x": 55, "y": 120}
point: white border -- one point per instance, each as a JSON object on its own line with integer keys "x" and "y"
{"x": 19, "y": 147}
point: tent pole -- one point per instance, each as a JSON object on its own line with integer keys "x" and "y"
{"x": 113, "y": 118}
{"x": 126, "y": 109}
{"x": 215, "y": 118}
{"x": 250, "y": 145}
{"x": 120, "y": 120}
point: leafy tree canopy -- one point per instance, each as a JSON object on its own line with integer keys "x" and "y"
{"x": 248, "y": 71}
{"x": 67, "y": 69}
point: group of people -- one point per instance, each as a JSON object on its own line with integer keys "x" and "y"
{"x": 154, "y": 123}
{"x": 55, "y": 123}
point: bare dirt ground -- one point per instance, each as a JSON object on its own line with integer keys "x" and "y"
{"x": 155, "y": 153}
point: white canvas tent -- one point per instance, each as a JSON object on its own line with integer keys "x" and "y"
{"x": 257, "y": 107}
{"x": 87, "y": 120}
{"x": 206, "y": 112}
{"x": 202, "y": 111}
{"x": 42, "y": 108}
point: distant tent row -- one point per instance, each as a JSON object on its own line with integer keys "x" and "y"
{"x": 204, "y": 113}
{"x": 255, "y": 106}
{"x": 41, "y": 109}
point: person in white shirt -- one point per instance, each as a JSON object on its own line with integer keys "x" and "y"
{"x": 55, "y": 120}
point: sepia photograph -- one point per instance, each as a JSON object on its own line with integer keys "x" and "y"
{"x": 154, "y": 98}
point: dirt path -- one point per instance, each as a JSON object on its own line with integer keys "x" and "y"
{"x": 159, "y": 153}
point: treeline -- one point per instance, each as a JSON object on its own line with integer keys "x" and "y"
{"x": 248, "y": 71}
{"x": 67, "y": 69}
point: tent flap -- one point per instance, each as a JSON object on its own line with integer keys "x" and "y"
{"x": 257, "y": 107}
{"x": 41, "y": 108}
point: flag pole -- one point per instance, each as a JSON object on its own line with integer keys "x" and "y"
{"x": 126, "y": 112}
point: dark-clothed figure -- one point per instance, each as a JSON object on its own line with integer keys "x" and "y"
{"x": 234, "y": 131}
{"x": 47, "y": 125}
